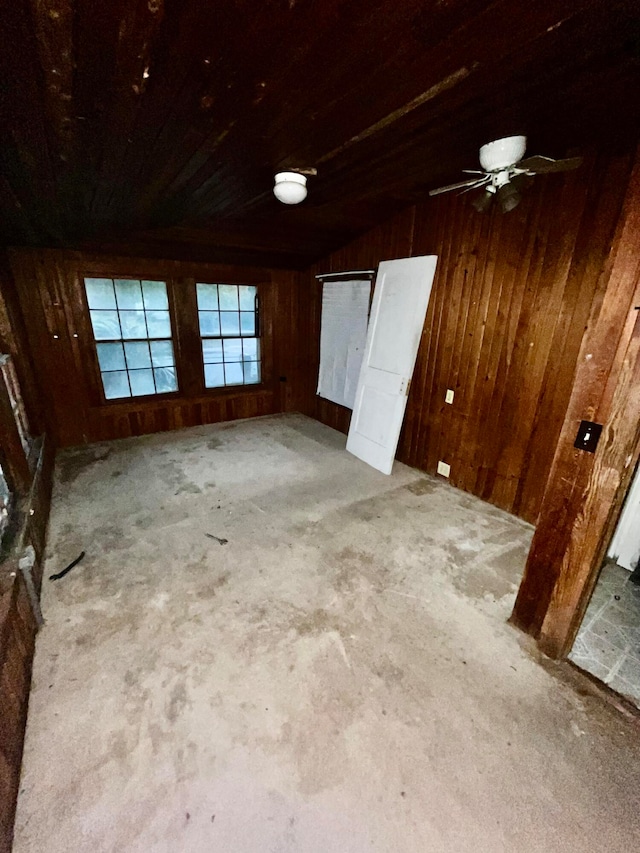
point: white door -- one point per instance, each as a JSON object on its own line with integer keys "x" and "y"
{"x": 625, "y": 545}
{"x": 399, "y": 307}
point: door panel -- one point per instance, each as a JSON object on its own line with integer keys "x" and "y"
{"x": 399, "y": 307}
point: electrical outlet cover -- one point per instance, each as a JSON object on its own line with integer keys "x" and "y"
{"x": 444, "y": 469}
{"x": 448, "y": 397}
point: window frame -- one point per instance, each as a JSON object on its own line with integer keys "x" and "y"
{"x": 187, "y": 346}
{"x": 258, "y": 334}
{"x": 96, "y": 383}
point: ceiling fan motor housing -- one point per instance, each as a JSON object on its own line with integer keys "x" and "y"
{"x": 502, "y": 153}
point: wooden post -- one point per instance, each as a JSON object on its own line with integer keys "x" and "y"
{"x": 584, "y": 491}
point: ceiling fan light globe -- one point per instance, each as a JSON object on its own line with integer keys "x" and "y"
{"x": 482, "y": 202}
{"x": 502, "y": 153}
{"x": 290, "y": 187}
{"x": 508, "y": 196}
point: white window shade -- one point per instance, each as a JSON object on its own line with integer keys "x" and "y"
{"x": 343, "y": 334}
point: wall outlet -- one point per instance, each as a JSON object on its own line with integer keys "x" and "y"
{"x": 448, "y": 397}
{"x": 444, "y": 469}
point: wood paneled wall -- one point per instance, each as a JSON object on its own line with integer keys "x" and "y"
{"x": 508, "y": 310}
{"x": 14, "y": 341}
{"x": 17, "y": 634}
{"x": 30, "y": 515}
{"x": 585, "y": 491}
{"x": 49, "y": 285}
{"x": 17, "y": 642}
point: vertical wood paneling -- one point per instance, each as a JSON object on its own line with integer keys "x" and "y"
{"x": 49, "y": 285}
{"x": 17, "y": 636}
{"x": 508, "y": 311}
{"x": 585, "y": 491}
{"x": 17, "y": 640}
{"x": 14, "y": 342}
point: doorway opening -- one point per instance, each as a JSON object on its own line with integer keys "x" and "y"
{"x": 608, "y": 643}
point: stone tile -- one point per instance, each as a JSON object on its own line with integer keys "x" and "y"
{"x": 626, "y": 688}
{"x": 588, "y": 664}
{"x": 632, "y": 636}
{"x": 579, "y": 649}
{"x": 619, "y": 613}
{"x": 595, "y": 608}
{"x": 608, "y": 644}
{"x": 630, "y": 593}
{"x": 612, "y": 576}
{"x": 602, "y": 650}
{"x": 630, "y": 671}
{"x": 610, "y": 631}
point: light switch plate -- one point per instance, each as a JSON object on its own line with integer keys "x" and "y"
{"x": 444, "y": 469}
{"x": 448, "y": 397}
{"x": 588, "y": 435}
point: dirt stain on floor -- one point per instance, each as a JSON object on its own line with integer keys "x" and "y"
{"x": 315, "y": 623}
{"x": 71, "y": 465}
{"x": 422, "y": 487}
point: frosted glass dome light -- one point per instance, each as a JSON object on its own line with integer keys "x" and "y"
{"x": 290, "y": 187}
{"x": 502, "y": 153}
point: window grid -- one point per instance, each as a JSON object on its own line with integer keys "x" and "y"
{"x": 228, "y": 320}
{"x": 135, "y": 359}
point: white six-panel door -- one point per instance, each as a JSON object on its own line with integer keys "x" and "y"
{"x": 399, "y": 307}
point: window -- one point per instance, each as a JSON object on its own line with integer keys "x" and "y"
{"x": 132, "y": 329}
{"x": 228, "y": 317}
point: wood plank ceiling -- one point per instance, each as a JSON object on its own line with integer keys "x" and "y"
{"x": 154, "y": 128}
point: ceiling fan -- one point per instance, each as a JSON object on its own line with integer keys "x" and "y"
{"x": 504, "y": 172}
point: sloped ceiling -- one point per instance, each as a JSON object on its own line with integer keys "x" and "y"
{"x": 154, "y": 128}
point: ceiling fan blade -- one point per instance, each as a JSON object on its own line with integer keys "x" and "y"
{"x": 542, "y": 165}
{"x": 472, "y": 183}
{"x": 522, "y": 181}
{"x": 480, "y": 183}
{"x": 473, "y": 172}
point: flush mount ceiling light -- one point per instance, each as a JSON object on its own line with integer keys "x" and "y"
{"x": 290, "y": 187}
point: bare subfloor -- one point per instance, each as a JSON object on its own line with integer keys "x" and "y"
{"x": 338, "y": 677}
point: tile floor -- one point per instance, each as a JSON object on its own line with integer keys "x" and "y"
{"x": 608, "y": 643}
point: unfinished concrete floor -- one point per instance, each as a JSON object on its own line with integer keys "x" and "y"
{"x": 338, "y": 677}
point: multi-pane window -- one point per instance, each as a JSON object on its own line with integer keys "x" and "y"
{"x": 132, "y": 329}
{"x": 228, "y": 317}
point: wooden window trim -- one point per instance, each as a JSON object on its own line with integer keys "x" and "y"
{"x": 94, "y": 376}
{"x": 183, "y": 311}
{"x": 224, "y": 390}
